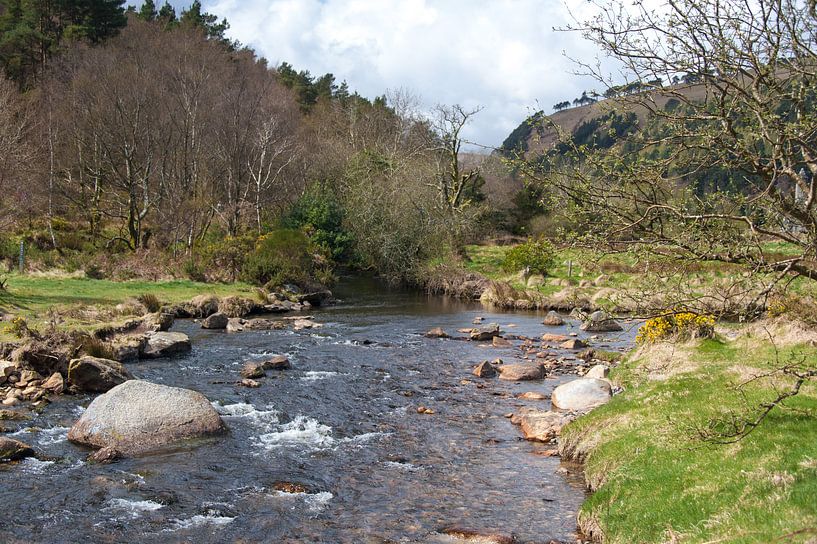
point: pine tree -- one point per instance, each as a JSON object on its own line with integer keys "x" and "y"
{"x": 194, "y": 17}
{"x": 148, "y": 11}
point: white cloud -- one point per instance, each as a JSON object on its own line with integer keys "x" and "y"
{"x": 500, "y": 54}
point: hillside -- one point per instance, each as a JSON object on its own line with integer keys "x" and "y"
{"x": 535, "y": 135}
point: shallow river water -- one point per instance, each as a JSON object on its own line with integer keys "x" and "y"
{"x": 343, "y": 423}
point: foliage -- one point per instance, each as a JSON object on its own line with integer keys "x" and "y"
{"x": 18, "y": 327}
{"x": 279, "y": 257}
{"x": 222, "y": 258}
{"x": 319, "y": 214}
{"x": 536, "y": 256}
{"x": 680, "y": 324}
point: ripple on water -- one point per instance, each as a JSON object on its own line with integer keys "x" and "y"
{"x": 315, "y": 502}
{"x": 315, "y": 375}
{"x": 303, "y": 431}
{"x": 130, "y": 509}
{"x": 212, "y": 517}
{"x": 32, "y": 465}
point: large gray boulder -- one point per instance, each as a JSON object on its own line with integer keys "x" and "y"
{"x": 522, "y": 372}
{"x": 96, "y": 375}
{"x": 601, "y": 322}
{"x": 128, "y": 349}
{"x": 582, "y": 394}
{"x": 138, "y": 416}
{"x": 165, "y": 344}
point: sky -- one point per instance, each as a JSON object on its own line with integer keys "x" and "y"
{"x": 500, "y": 55}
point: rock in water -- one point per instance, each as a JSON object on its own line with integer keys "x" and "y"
{"x": 542, "y": 426}
{"x": 276, "y": 362}
{"x": 138, "y": 416}
{"x": 601, "y": 322}
{"x": 437, "y": 333}
{"x": 217, "y": 321}
{"x": 573, "y": 343}
{"x": 97, "y": 375}
{"x": 500, "y": 342}
{"x": 159, "y": 321}
{"x": 552, "y": 319}
{"x": 582, "y": 394}
{"x": 522, "y": 372}
{"x": 485, "y": 370}
{"x": 165, "y": 344}
{"x": 487, "y": 332}
{"x": 14, "y": 450}
{"x": 253, "y": 370}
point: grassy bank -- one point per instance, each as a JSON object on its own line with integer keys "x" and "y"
{"x": 76, "y": 302}
{"x": 657, "y": 480}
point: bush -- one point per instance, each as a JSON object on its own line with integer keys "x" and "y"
{"x": 150, "y": 301}
{"x": 319, "y": 214}
{"x": 535, "y": 255}
{"x": 682, "y": 325}
{"x": 222, "y": 259}
{"x": 282, "y": 256}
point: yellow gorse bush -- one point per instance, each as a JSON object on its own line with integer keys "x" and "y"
{"x": 678, "y": 324}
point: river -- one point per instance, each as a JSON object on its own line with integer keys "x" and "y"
{"x": 342, "y": 425}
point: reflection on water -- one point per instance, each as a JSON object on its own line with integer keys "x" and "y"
{"x": 342, "y": 425}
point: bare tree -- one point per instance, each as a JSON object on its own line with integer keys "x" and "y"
{"x": 747, "y": 107}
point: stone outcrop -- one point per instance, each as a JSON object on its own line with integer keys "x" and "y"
{"x": 138, "y": 417}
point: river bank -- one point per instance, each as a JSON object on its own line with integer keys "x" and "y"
{"x": 662, "y": 463}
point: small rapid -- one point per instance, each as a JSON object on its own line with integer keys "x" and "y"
{"x": 332, "y": 450}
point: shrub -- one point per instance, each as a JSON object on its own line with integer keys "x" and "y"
{"x": 95, "y": 347}
{"x": 282, "y": 256}
{"x": 319, "y": 214}
{"x": 224, "y": 259}
{"x": 535, "y": 255}
{"x": 18, "y": 328}
{"x": 150, "y": 301}
{"x": 679, "y": 324}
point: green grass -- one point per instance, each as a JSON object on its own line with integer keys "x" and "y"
{"x": 665, "y": 484}
{"x": 35, "y": 298}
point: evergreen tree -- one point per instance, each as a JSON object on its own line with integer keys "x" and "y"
{"x": 194, "y": 17}
{"x": 167, "y": 15}
{"x": 148, "y": 11}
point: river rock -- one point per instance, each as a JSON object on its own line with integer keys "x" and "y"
{"x": 165, "y": 344}
{"x": 128, "y": 349}
{"x": 532, "y": 395}
{"x": 261, "y": 324}
{"x": 573, "y": 343}
{"x": 547, "y": 337}
{"x": 541, "y": 426}
{"x": 217, "y": 321}
{"x": 97, "y": 375}
{"x": 522, "y": 372}
{"x": 553, "y": 319}
{"x": 600, "y": 322}
{"x": 302, "y": 324}
{"x": 485, "y": 370}
{"x": 598, "y": 371}
{"x": 159, "y": 321}
{"x": 138, "y": 416}
{"x": 7, "y": 368}
{"x": 582, "y": 394}
{"x": 54, "y": 383}
{"x": 315, "y": 298}
{"x": 488, "y": 332}
{"x": 235, "y": 324}
{"x": 500, "y": 342}
{"x": 28, "y": 376}
{"x": 253, "y": 370}
{"x": 12, "y": 415}
{"x": 14, "y": 450}
{"x": 277, "y": 362}
{"x": 437, "y": 332}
